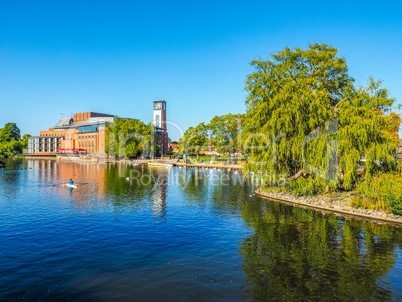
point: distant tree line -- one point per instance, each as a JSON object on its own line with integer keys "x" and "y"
{"x": 11, "y": 142}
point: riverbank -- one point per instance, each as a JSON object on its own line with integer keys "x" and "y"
{"x": 210, "y": 166}
{"x": 337, "y": 203}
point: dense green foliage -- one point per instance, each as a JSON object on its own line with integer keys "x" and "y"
{"x": 129, "y": 138}
{"x": 381, "y": 192}
{"x": 225, "y": 132}
{"x": 307, "y": 118}
{"x": 194, "y": 139}
{"x": 222, "y": 133}
{"x": 10, "y": 140}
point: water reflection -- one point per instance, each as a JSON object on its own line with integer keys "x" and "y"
{"x": 160, "y": 185}
{"x": 176, "y": 234}
{"x": 299, "y": 255}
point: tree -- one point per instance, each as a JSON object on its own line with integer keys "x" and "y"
{"x": 225, "y": 131}
{"x": 307, "y": 118}
{"x": 10, "y": 140}
{"x": 9, "y": 133}
{"x": 24, "y": 141}
{"x": 129, "y": 138}
{"x": 194, "y": 139}
{"x": 10, "y": 149}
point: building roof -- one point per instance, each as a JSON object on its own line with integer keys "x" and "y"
{"x": 64, "y": 122}
{"x": 68, "y": 122}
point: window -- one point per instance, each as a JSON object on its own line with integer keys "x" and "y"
{"x": 157, "y": 120}
{"x": 88, "y": 129}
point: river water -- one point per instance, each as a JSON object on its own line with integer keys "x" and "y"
{"x": 132, "y": 233}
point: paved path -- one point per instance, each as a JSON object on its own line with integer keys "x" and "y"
{"x": 209, "y": 166}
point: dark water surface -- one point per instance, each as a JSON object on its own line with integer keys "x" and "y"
{"x": 179, "y": 235}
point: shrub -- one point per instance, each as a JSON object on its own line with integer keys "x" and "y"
{"x": 382, "y": 192}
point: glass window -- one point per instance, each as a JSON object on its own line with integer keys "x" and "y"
{"x": 88, "y": 129}
{"x": 157, "y": 120}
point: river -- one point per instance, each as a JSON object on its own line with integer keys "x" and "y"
{"x": 132, "y": 233}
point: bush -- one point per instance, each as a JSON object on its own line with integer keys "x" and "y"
{"x": 381, "y": 192}
{"x": 308, "y": 186}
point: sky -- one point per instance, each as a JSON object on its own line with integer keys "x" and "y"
{"x": 116, "y": 57}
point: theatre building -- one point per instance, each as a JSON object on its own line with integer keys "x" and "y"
{"x": 84, "y": 132}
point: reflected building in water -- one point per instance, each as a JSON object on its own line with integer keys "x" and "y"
{"x": 159, "y": 192}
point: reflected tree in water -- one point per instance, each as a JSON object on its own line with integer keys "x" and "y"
{"x": 127, "y": 186}
{"x": 221, "y": 191}
{"x": 296, "y": 254}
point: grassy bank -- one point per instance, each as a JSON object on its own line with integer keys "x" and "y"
{"x": 380, "y": 193}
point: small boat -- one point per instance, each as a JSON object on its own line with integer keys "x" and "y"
{"x": 70, "y": 186}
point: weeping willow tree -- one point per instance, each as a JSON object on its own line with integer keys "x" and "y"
{"x": 307, "y": 119}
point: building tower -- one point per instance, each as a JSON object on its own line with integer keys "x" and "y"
{"x": 159, "y": 121}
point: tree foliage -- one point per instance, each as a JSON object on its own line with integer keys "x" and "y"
{"x": 129, "y": 138}
{"x": 225, "y": 132}
{"x": 9, "y": 133}
{"x": 24, "y": 141}
{"x": 307, "y": 117}
{"x": 194, "y": 139}
{"x": 11, "y": 142}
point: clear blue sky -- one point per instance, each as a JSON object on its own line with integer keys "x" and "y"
{"x": 118, "y": 56}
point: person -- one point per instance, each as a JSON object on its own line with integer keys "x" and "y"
{"x": 71, "y": 182}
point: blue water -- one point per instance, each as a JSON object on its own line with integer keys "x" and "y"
{"x": 178, "y": 235}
